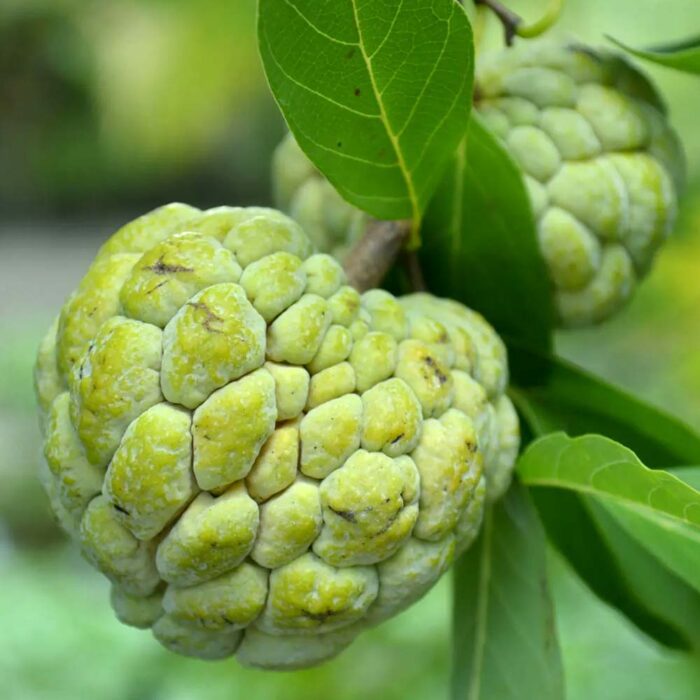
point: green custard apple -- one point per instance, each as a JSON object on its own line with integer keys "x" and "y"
{"x": 602, "y": 166}
{"x": 303, "y": 192}
{"x": 263, "y": 461}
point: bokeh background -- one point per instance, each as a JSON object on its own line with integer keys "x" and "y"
{"x": 111, "y": 107}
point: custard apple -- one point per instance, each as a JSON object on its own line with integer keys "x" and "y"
{"x": 332, "y": 224}
{"x": 263, "y": 461}
{"x": 602, "y": 166}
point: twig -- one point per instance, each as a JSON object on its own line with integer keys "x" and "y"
{"x": 371, "y": 257}
{"x": 513, "y": 25}
{"x": 508, "y": 18}
{"x": 414, "y": 271}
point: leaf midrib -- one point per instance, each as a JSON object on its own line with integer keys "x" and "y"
{"x": 393, "y": 138}
{"x": 646, "y": 511}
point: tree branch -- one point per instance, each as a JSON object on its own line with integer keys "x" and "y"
{"x": 371, "y": 257}
{"x": 414, "y": 271}
{"x": 508, "y": 18}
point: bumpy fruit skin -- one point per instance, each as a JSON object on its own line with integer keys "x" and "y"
{"x": 263, "y": 461}
{"x": 332, "y": 224}
{"x": 602, "y": 166}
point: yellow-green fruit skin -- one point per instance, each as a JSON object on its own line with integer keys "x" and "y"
{"x": 602, "y": 166}
{"x": 263, "y": 461}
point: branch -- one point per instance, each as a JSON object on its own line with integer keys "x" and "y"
{"x": 513, "y": 24}
{"x": 371, "y": 257}
{"x": 508, "y": 18}
{"x": 414, "y": 271}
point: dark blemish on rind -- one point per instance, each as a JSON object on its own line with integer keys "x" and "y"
{"x": 211, "y": 316}
{"x": 441, "y": 377}
{"x": 389, "y": 522}
{"x": 158, "y": 286}
{"x": 162, "y": 268}
{"x": 348, "y": 515}
{"x": 357, "y": 92}
{"x": 318, "y": 617}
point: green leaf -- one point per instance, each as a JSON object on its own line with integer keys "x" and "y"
{"x": 597, "y": 466}
{"x": 480, "y": 244}
{"x": 691, "y": 475}
{"x": 663, "y": 592}
{"x": 658, "y": 510}
{"x": 682, "y": 55}
{"x": 569, "y": 399}
{"x": 377, "y": 94}
{"x": 674, "y": 542}
{"x": 565, "y": 397}
{"x": 504, "y": 640}
{"x": 573, "y": 531}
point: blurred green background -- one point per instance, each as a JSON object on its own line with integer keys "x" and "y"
{"x": 110, "y": 107}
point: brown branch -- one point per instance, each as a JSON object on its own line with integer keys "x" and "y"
{"x": 411, "y": 264}
{"x": 371, "y": 257}
{"x": 508, "y": 18}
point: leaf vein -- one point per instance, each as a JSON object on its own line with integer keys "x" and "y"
{"x": 311, "y": 90}
{"x": 319, "y": 31}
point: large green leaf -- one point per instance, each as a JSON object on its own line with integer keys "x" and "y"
{"x": 564, "y": 397}
{"x": 578, "y": 536}
{"x": 480, "y": 244}
{"x": 675, "y": 542}
{"x": 662, "y": 591}
{"x": 505, "y": 644}
{"x": 656, "y": 520}
{"x": 682, "y": 55}
{"x": 376, "y": 93}
{"x": 597, "y": 466}
{"x": 567, "y": 398}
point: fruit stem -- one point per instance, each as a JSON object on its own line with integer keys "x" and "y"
{"x": 551, "y": 15}
{"x": 414, "y": 271}
{"x": 371, "y": 257}
{"x": 508, "y": 18}
{"x": 513, "y": 24}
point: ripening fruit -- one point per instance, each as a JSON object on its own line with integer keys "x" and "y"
{"x": 602, "y": 166}
{"x": 332, "y": 224}
{"x": 263, "y": 461}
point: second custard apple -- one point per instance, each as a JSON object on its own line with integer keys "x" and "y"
{"x": 602, "y": 166}
{"x": 263, "y": 461}
{"x": 300, "y": 190}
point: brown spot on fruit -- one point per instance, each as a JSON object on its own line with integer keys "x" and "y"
{"x": 160, "y": 267}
